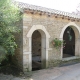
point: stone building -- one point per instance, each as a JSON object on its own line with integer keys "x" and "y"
{"x": 40, "y": 27}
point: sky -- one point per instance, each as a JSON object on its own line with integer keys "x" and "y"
{"x": 62, "y": 5}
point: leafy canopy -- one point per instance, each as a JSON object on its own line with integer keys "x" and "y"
{"x": 9, "y": 16}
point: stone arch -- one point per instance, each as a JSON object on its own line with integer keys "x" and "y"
{"x": 77, "y": 35}
{"x": 45, "y": 44}
{"x": 40, "y": 27}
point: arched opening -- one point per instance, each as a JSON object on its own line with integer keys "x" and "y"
{"x": 36, "y": 50}
{"x": 69, "y": 39}
{"x": 44, "y": 45}
{"x": 76, "y": 32}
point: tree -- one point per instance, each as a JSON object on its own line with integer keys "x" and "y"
{"x": 9, "y": 16}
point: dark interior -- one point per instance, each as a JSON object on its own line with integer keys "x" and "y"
{"x": 69, "y": 46}
{"x": 36, "y": 50}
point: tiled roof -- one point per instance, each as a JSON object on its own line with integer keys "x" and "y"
{"x": 47, "y": 10}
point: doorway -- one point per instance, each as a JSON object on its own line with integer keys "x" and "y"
{"x": 44, "y": 45}
{"x": 69, "y": 39}
{"x": 36, "y": 50}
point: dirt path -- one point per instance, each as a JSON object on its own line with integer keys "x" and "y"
{"x": 71, "y": 72}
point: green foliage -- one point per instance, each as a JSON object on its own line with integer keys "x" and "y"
{"x": 9, "y": 16}
{"x": 57, "y": 43}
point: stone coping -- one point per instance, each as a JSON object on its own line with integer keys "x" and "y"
{"x": 70, "y": 58}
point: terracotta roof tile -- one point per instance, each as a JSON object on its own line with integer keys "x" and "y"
{"x": 48, "y": 10}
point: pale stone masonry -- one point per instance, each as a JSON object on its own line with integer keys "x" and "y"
{"x": 50, "y": 24}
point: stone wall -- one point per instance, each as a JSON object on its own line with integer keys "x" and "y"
{"x": 18, "y": 57}
{"x": 53, "y": 25}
